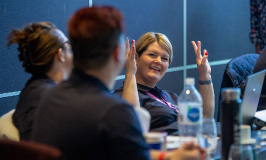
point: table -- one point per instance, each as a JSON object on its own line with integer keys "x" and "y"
{"x": 218, "y": 152}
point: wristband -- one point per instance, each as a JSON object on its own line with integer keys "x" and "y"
{"x": 161, "y": 156}
{"x": 205, "y": 82}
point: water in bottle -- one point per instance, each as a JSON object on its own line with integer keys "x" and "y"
{"x": 190, "y": 114}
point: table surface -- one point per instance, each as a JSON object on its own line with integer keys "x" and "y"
{"x": 218, "y": 151}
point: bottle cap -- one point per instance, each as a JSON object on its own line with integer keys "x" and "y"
{"x": 190, "y": 81}
{"x": 230, "y": 94}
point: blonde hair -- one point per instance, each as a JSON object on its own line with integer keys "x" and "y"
{"x": 146, "y": 39}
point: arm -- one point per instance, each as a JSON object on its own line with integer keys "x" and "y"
{"x": 130, "y": 91}
{"x": 206, "y": 91}
{"x": 188, "y": 151}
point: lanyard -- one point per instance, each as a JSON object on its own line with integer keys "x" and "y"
{"x": 175, "y": 107}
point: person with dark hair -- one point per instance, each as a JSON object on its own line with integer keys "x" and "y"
{"x": 154, "y": 54}
{"x": 81, "y": 116}
{"x": 46, "y": 54}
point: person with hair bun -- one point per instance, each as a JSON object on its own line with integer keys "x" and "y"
{"x": 149, "y": 62}
{"x": 46, "y": 54}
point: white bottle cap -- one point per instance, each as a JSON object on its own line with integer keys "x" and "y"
{"x": 190, "y": 81}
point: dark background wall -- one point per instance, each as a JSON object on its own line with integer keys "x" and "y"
{"x": 17, "y": 13}
{"x": 223, "y": 27}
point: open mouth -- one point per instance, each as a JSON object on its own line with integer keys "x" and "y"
{"x": 155, "y": 69}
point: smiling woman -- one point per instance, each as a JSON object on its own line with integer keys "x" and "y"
{"x": 153, "y": 55}
{"x": 152, "y": 65}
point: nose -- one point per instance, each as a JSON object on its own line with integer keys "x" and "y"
{"x": 158, "y": 60}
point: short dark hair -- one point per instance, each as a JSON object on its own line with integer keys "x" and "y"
{"x": 94, "y": 33}
{"x": 38, "y": 44}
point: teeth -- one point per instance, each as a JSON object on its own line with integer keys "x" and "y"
{"x": 155, "y": 68}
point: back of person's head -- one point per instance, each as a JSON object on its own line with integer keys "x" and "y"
{"x": 94, "y": 33}
{"x": 148, "y": 38}
{"x": 38, "y": 43}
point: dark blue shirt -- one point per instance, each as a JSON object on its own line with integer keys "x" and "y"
{"x": 163, "y": 118}
{"x": 85, "y": 121}
{"x": 29, "y": 99}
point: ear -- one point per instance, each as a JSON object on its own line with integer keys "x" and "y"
{"x": 136, "y": 57}
{"x": 60, "y": 55}
{"x": 118, "y": 54}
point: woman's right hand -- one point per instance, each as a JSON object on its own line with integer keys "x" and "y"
{"x": 130, "y": 65}
{"x": 203, "y": 65}
{"x": 188, "y": 151}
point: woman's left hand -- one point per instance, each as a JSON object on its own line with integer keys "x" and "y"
{"x": 204, "y": 67}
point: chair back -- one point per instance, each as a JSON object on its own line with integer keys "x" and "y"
{"x": 236, "y": 72}
{"x": 238, "y": 69}
{"x": 7, "y": 128}
{"x": 12, "y": 150}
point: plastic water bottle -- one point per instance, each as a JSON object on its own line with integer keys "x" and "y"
{"x": 190, "y": 112}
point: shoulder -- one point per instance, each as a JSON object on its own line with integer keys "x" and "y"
{"x": 36, "y": 89}
{"x": 171, "y": 95}
{"x": 117, "y": 103}
{"x": 41, "y": 82}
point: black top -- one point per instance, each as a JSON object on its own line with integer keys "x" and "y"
{"x": 85, "y": 121}
{"x": 28, "y": 102}
{"x": 163, "y": 118}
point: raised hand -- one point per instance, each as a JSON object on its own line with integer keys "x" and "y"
{"x": 206, "y": 91}
{"x": 130, "y": 91}
{"x": 130, "y": 65}
{"x": 204, "y": 67}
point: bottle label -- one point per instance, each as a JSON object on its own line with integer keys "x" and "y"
{"x": 190, "y": 113}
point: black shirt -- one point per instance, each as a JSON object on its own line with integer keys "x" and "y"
{"x": 163, "y": 117}
{"x": 29, "y": 99}
{"x": 85, "y": 121}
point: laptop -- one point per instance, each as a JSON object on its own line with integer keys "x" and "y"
{"x": 252, "y": 96}
{"x": 261, "y": 115}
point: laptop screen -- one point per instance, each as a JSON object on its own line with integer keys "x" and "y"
{"x": 252, "y": 96}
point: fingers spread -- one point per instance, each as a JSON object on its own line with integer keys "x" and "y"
{"x": 199, "y": 46}
{"x": 194, "y": 46}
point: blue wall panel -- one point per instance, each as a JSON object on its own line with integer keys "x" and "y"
{"x": 14, "y": 14}
{"x": 223, "y": 26}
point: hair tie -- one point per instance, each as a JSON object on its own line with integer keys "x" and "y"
{"x": 25, "y": 55}
{"x": 28, "y": 55}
